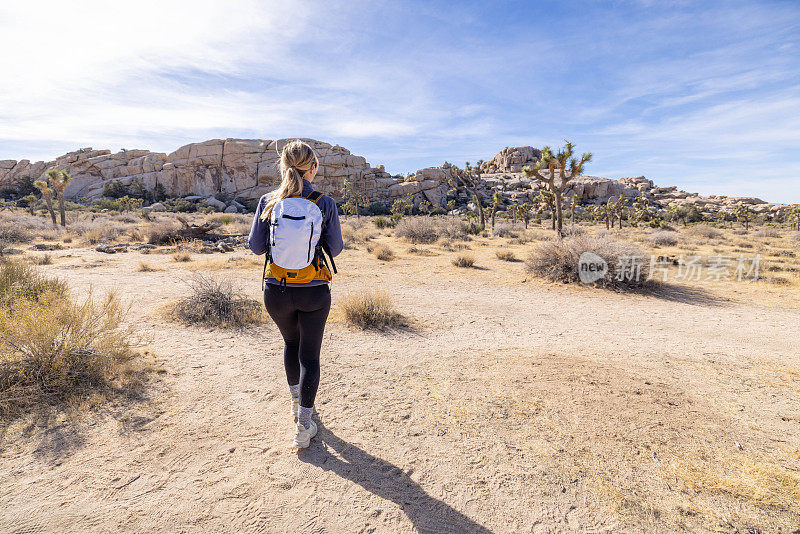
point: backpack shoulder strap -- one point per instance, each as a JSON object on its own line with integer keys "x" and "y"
{"x": 314, "y": 196}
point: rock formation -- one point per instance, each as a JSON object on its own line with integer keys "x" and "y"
{"x": 231, "y": 170}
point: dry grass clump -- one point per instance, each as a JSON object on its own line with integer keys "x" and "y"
{"x": 354, "y": 232}
{"x": 370, "y": 309}
{"x": 24, "y": 281}
{"x": 452, "y": 246}
{"x": 702, "y": 230}
{"x": 147, "y": 268}
{"x": 164, "y": 232}
{"x": 98, "y": 230}
{"x": 558, "y": 260}
{"x": 663, "y": 238}
{"x": 21, "y": 227}
{"x": 417, "y": 230}
{"x": 453, "y": 229}
{"x": 182, "y": 257}
{"x": 53, "y": 350}
{"x": 215, "y": 303}
{"x": 573, "y": 229}
{"x": 796, "y": 238}
{"x": 382, "y": 252}
{"x": 767, "y": 232}
{"x": 44, "y": 259}
{"x": 505, "y": 255}
{"x": 504, "y": 230}
{"x": 464, "y": 261}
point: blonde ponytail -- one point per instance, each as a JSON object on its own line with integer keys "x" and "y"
{"x": 297, "y": 158}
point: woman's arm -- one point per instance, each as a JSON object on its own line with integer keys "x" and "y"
{"x": 332, "y": 231}
{"x": 259, "y": 232}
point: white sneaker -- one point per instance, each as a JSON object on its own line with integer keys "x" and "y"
{"x": 302, "y": 439}
{"x": 295, "y": 409}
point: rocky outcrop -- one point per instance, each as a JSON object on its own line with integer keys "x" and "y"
{"x": 512, "y": 159}
{"x": 222, "y": 171}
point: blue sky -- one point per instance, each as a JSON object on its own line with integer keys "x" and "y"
{"x": 703, "y": 95}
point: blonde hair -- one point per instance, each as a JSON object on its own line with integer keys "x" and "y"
{"x": 297, "y": 158}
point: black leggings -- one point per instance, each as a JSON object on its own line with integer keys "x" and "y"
{"x": 300, "y": 313}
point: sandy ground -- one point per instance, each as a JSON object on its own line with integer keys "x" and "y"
{"x": 506, "y": 405}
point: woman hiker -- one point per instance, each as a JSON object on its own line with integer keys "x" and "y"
{"x": 296, "y": 227}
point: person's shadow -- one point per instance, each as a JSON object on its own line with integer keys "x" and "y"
{"x": 388, "y": 482}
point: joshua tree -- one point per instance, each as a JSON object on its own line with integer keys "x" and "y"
{"x": 451, "y": 206}
{"x": 30, "y": 202}
{"x": 59, "y": 181}
{"x": 497, "y": 199}
{"x": 469, "y": 179}
{"x": 425, "y": 207}
{"x": 641, "y": 211}
{"x": 794, "y": 217}
{"x": 566, "y": 166}
{"x": 399, "y": 208}
{"x": 546, "y": 200}
{"x": 744, "y": 215}
{"x": 47, "y": 195}
{"x": 617, "y": 210}
{"x": 524, "y": 211}
{"x": 574, "y": 202}
{"x": 354, "y": 198}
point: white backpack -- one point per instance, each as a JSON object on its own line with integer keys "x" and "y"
{"x": 295, "y": 230}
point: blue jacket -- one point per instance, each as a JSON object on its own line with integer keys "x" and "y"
{"x": 331, "y": 231}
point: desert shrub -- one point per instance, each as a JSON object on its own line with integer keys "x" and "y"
{"x": 505, "y": 255}
{"x": 767, "y": 232}
{"x": 215, "y": 303}
{"x": 573, "y": 229}
{"x": 18, "y": 227}
{"x": 164, "y": 232}
{"x": 558, "y": 260}
{"x": 382, "y": 252}
{"x": 382, "y": 222}
{"x": 504, "y": 230}
{"x": 44, "y": 259}
{"x": 182, "y": 257}
{"x": 417, "y": 230}
{"x": 663, "y": 238}
{"x": 464, "y": 260}
{"x": 702, "y": 230}
{"x": 454, "y": 229}
{"x": 53, "y": 350}
{"x": 24, "y": 281}
{"x": 473, "y": 228}
{"x": 370, "y": 309}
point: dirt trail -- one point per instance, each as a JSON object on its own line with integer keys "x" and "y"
{"x": 484, "y": 416}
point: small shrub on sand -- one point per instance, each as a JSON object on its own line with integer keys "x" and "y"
{"x": 18, "y": 227}
{"x": 147, "y": 268}
{"x": 505, "y": 255}
{"x": 453, "y": 229}
{"x": 417, "y": 230}
{"x": 53, "y": 350}
{"x": 215, "y": 303}
{"x": 382, "y": 252}
{"x": 767, "y": 232}
{"x": 558, "y": 260}
{"x": 370, "y": 309}
{"x": 464, "y": 260}
{"x": 182, "y": 257}
{"x": 663, "y": 239}
{"x": 708, "y": 232}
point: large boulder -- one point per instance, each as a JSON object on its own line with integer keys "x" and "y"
{"x": 512, "y": 159}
